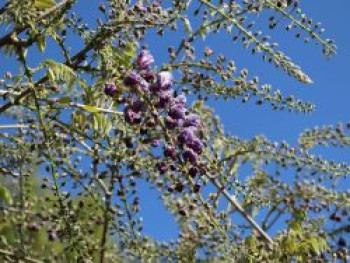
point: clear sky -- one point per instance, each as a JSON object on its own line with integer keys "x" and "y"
{"x": 330, "y": 91}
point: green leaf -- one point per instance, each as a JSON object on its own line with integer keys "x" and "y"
{"x": 65, "y": 100}
{"x": 5, "y": 195}
{"x": 89, "y": 108}
{"x": 79, "y": 120}
{"x": 103, "y": 124}
{"x": 50, "y": 75}
{"x": 130, "y": 50}
{"x": 44, "y": 4}
{"x": 41, "y": 43}
{"x": 251, "y": 242}
{"x": 58, "y": 71}
{"x": 187, "y": 24}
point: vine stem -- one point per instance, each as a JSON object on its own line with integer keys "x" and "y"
{"x": 241, "y": 210}
{"x": 52, "y": 163}
{"x": 106, "y": 223}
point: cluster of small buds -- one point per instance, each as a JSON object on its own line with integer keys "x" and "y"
{"x": 163, "y": 103}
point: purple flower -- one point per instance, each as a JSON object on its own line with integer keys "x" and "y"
{"x": 131, "y": 116}
{"x": 170, "y": 123}
{"x": 33, "y": 227}
{"x": 190, "y": 156}
{"x": 177, "y": 112}
{"x": 138, "y": 106}
{"x": 52, "y": 235}
{"x": 180, "y": 100}
{"x": 196, "y": 145}
{"x": 192, "y": 120}
{"x": 154, "y": 88}
{"x": 155, "y": 143}
{"x": 148, "y": 75}
{"x": 162, "y": 167}
{"x": 144, "y": 85}
{"x": 164, "y": 79}
{"x": 170, "y": 152}
{"x": 165, "y": 97}
{"x": 132, "y": 79}
{"x": 193, "y": 171}
{"x": 110, "y": 89}
{"x": 145, "y": 59}
{"x": 187, "y": 135}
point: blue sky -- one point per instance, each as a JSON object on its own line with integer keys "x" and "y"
{"x": 330, "y": 91}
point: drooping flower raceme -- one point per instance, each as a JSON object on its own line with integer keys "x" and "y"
{"x": 155, "y": 104}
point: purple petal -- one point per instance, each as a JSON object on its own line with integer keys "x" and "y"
{"x": 110, "y": 89}
{"x": 190, "y": 156}
{"x": 145, "y": 59}
{"x": 192, "y": 120}
{"x": 164, "y": 79}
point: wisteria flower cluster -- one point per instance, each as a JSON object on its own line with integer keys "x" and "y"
{"x": 152, "y": 93}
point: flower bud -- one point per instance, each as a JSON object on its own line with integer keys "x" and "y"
{"x": 171, "y": 124}
{"x": 164, "y": 79}
{"x": 170, "y": 152}
{"x": 131, "y": 116}
{"x": 177, "y": 112}
{"x": 187, "y": 135}
{"x": 162, "y": 168}
{"x": 196, "y": 145}
{"x": 180, "y": 100}
{"x": 110, "y": 89}
{"x": 192, "y": 120}
{"x": 165, "y": 97}
{"x": 155, "y": 143}
{"x": 190, "y": 156}
{"x": 132, "y": 79}
{"x": 145, "y": 59}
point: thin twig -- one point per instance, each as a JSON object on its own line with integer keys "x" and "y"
{"x": 241, "y": 210}
{"x": 13, "y": 126}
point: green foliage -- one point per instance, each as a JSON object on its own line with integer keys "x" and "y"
{"x": 5, "y": 195}
{"x": 44, "y": 3}
{"x": 57, "y": 72}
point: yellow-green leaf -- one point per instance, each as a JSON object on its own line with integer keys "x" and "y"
{"x": 59, "y": 71}
{"x": 88, "y": 108}
{"x": 65, "y": 100}
{"x": 41, "y": 43}
{"x": 187, "y": 24}
{"x": 44, "y": 3}
{"x": 5, "y": 195}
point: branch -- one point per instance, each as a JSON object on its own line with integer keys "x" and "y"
{"x": 345, "y": 228}
{"x": 278, "y": 57}
{"x": 9, "y": 38}
{"x": 301, "y": 25}
{"x": 13, "y": 126}
{"x": 13, "y": 255}
{"x": 73, "y": 63}
{"x": 240, "y": 209}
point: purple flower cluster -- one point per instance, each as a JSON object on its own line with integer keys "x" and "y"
{"x": 110, "y": 89}
{"x": 165, "y": 106}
